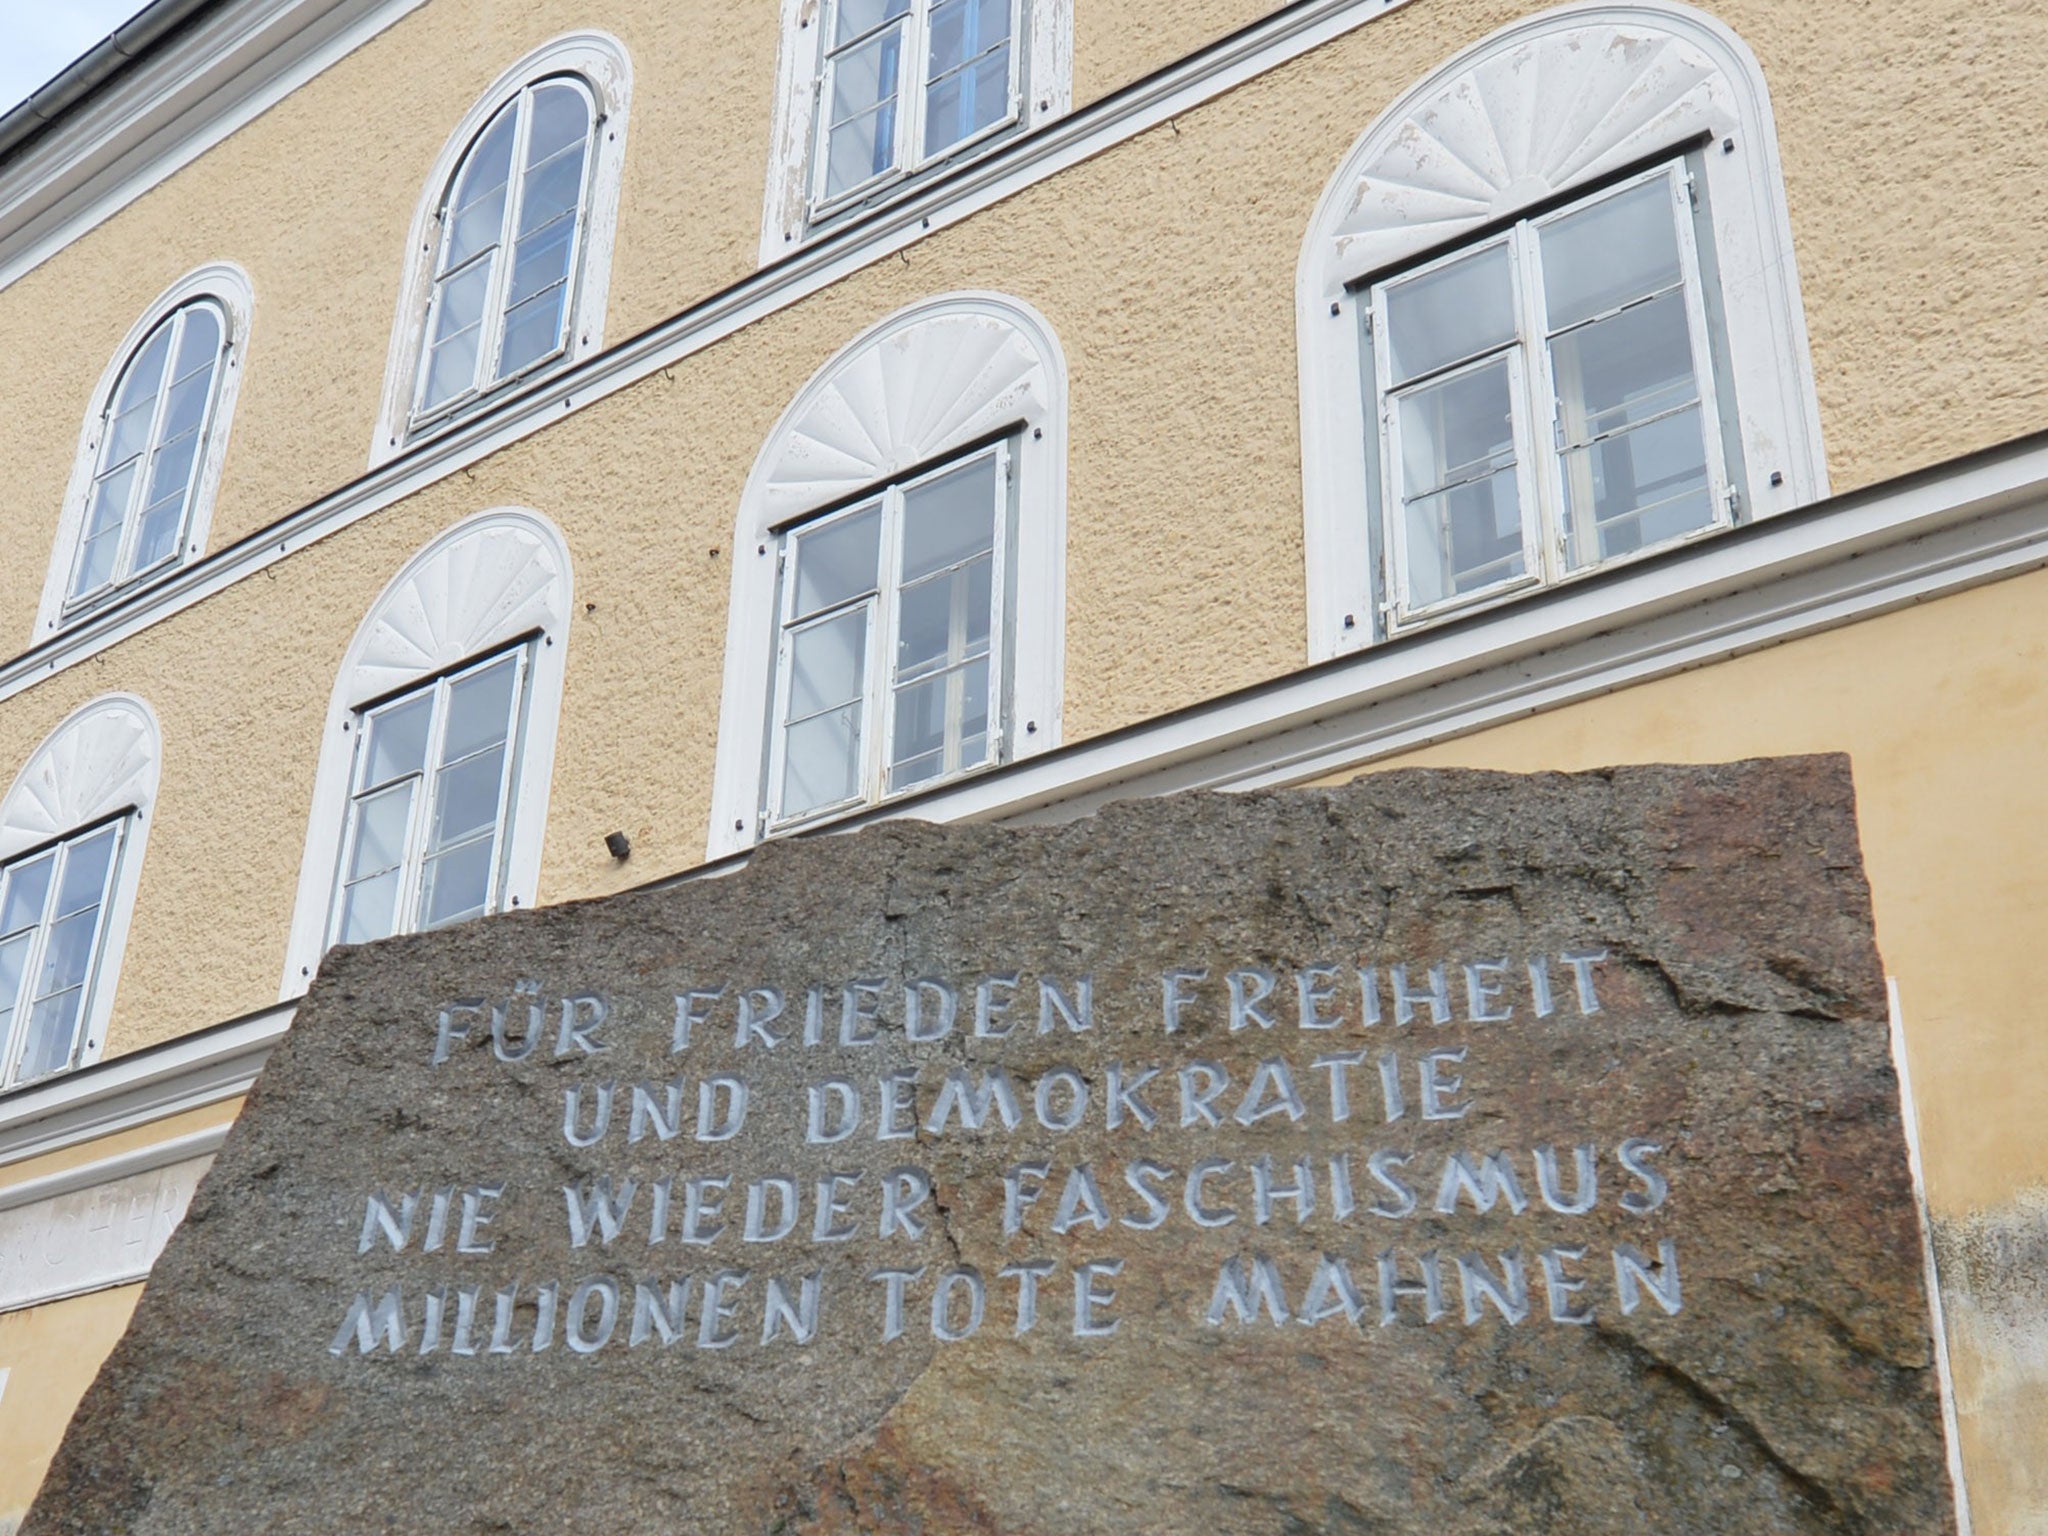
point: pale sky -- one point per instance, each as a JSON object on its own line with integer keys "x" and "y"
{"x": 39, "y": 37}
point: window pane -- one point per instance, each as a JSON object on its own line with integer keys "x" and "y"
{"x": 828, "y": 664}
{"x": 1617, "y": 249}
{"x": 172, "y": 469}
{"x": 836, "y": 561}
{"x": 453, "y": 368}
{"x": 467, "y": 798}
{"x": 561, "y": 117}
{"x": 381, "y": 822}
{"x": 13, "y": 956}
{"x": 186, "y": 408}
{"x": 950, "y": 518}
{"x": 962, "y": 29}
{"x": 156, "y": 535}
{"x": 866, "y": 76}
{"x": 961, "y": 105}
{"x": 199, "y": 346}
{"x": 941, "y": 725}
{"x": 862, "y": 140}
{"x": 858, "y": 16}
{"x": 85, "y": 872}
{"x": 552, "y": 188}
{"x": 540, "y": 260}
{"x": 103, "y": 541}
{"x": 26, "y": 888}
{"x": 943, "y": 619}
{"x": 480, "y": 709}
{"x": 52, "y": 1032}
{"x": 477, "y": 206}
{"x": 532, "y": 332}
{"x": 129, "y": 433}
{"x": 1463, "y": 540}
{"x": 821, "y": 760}
{"x": 1624, "y": 369}
{"x": 1461, "y": 512}
{"x": 1454, "y": 312}
{"x": 1458, "y": 428}
{"x": 368, "y": 909}
{"x": 67, "y": 953}
{"x": 457, "y": 885}
{"x": 861, "y": 149}
{"x": 1638, "y": 488}
{"x": 398, "y": 739}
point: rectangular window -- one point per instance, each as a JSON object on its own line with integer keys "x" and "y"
{"x": 53, "y": 906}
{"x": 430, "y": 803}
{"x": 889, "y": 666}
{"x": 907, "y": 81}
{"x": 1547, "y": 399}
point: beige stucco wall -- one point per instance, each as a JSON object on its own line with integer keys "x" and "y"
{"x": 1943, "y": 709}
{"x": 1909, "y": 162}
{"x": 1165, "y": 266}
{"x": 314, "y": 200}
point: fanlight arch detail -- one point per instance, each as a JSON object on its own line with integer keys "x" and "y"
{"x": 943, "y": 375}
{"x": 1549, "y": 104}
{"x": 497, "y": 577}
{"x": 105, "y": 758}
{"x": 904, "y": 396}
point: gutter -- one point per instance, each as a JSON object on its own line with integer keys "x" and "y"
{"x": 85, "y": 77}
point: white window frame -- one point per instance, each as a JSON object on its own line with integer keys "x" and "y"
{"x": 15, "y": 1040}
{"x": 913, "y": 59}
{"x": 227, "y": 288}
{"x": 1539, "y": 457}
{"x": 491, "y": 334}
{"x": 890, "y": 405}
{"x": 102, "y": 764}
{"x": 598, "y": 62}
{"x": 412, "y": 865}
{"x": 879, "y": 668}
{"x": 497, "y": 579}
{"x": 794, "y": 206}
{"x": 1434, "y": 167}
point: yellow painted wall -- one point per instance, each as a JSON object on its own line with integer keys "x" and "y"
{"x": 50, "y": 1355}
{"x": 1943, "y": 709}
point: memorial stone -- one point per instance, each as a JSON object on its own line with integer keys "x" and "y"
{"x": 1450, "y": 1153}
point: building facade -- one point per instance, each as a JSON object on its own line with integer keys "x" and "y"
{"x": 467, "y": 454}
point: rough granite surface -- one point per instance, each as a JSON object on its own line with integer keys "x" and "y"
{"x": 1712, "y": 1320}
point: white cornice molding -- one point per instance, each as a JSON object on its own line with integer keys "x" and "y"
{"x": 1018, "y": 164}
{"x": 122, "y": 1165}
{"x": 167, "y": 111}
{"x": 1823, "y": 567}
{"x": 140, "y": 1088}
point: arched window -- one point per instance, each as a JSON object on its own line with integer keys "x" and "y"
{"x": 72, "y": 831}
{"x": 141, "y": 493}
{"x": 510, "y": 251}
{"x": 1549, "y": 321}
{"x": 898, "y": 601}
{"x": 432, "y": 787}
